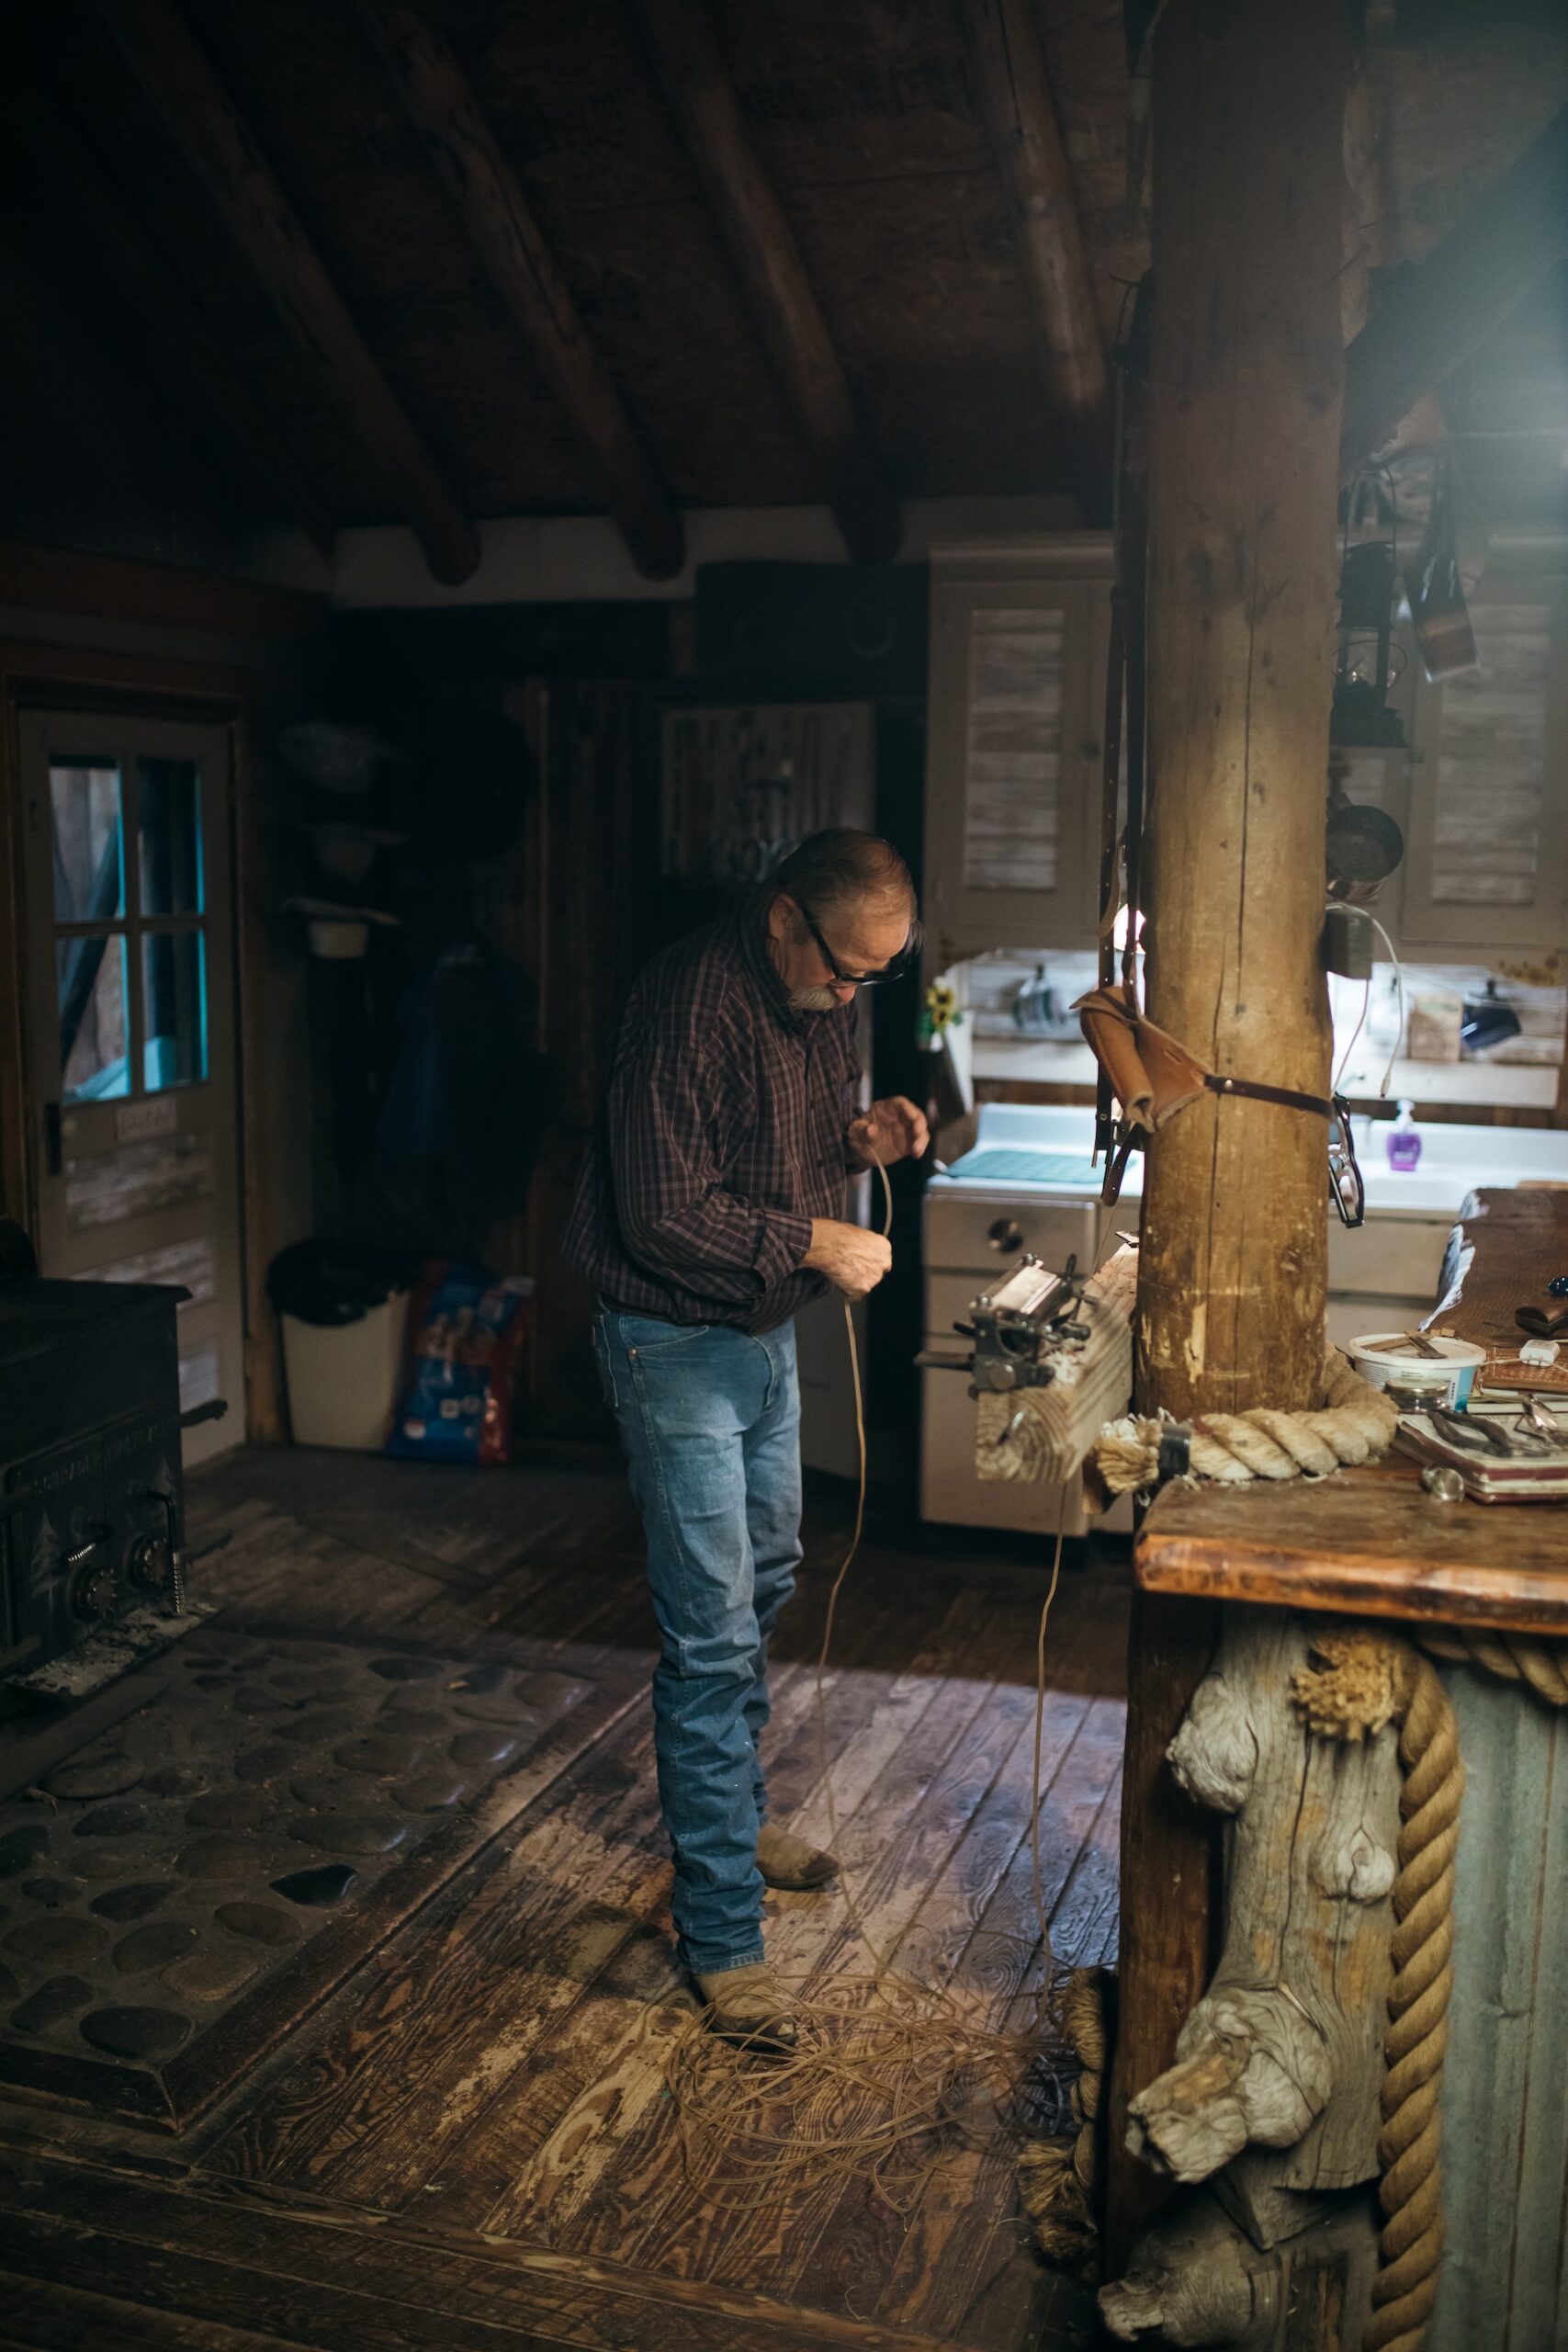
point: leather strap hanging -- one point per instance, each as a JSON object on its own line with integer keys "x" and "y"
{"x": 1153, "y": 1075}
{"x": 1124, "y": 687}
{"x": 1110, "y": 852}
{"x": 1132, "y": 566}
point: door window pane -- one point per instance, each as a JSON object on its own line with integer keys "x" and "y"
{"x": 89, "y": 851}
{"x": 169, "y": 820}
{"x": 95, "y": 1046}
{"x": 173, "y": 1009}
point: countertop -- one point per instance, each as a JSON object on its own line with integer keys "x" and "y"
{"x": 1455, "y": 1160}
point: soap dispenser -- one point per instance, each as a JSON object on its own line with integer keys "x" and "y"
{"x": 1404, "y": 1138}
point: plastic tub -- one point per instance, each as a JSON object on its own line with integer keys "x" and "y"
{"x": 1382, "y": 1356}
{"x": 342, "y": 1310}
{"x": 343, "y": 1378}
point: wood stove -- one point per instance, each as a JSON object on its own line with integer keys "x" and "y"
{"x": 91, "y": 1520}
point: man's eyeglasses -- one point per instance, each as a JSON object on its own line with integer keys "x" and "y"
{"x": 1345, "y": 1186}
{"x": 891, "y": 971}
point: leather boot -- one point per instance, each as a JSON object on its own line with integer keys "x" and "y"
{"x": 785, "y": 1859}
{"x": 750, "y": 2006}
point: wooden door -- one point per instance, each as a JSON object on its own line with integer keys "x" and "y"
{"x": 132, "y": 1078}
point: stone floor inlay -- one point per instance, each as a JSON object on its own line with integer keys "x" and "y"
{"x": 277, "y": 1795}
{"x": 49, "y": 2004}
{"x": 131, "y": 1901}
{"x": 260, "y": 1923}
{"x": 151, "y": 1947}
{"x": 318, "y": 1888}
{"x": 136, "y": 2034}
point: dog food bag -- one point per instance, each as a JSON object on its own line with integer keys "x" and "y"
{"x": 464, "y": 1330}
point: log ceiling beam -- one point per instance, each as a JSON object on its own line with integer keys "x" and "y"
{"x": 1428, "y": 321}
{"x": 1009, "y": 65}
{"x": 441, "y": 104}
{"x": 701, "y": 98}
{"x": 64, "y": 176}
{"x": 204, "y": 122}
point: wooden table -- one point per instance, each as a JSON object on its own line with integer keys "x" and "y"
{"x": 1248, "y": 1569}
{"x": 1370, "y": 1541}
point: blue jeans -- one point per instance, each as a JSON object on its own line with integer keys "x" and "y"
{"x": 710, "y": 1420}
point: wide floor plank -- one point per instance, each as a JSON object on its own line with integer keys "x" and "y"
{"x": 471, "y": 2143}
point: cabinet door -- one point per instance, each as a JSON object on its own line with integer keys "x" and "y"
{"x": 1484, "y": 875}
{"x": 1013, "y": 767}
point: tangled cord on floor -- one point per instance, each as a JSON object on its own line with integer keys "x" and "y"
{"x": 897, "y": 2073}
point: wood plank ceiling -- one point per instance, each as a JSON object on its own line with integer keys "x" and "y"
{"x": 473, "y": 259}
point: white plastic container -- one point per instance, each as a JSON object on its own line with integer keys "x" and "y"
{"x": 343, "y": 1377}
{"x": 1382, "y": 1356}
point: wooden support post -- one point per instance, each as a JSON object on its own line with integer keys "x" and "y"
{"x": 785, "y": 310}
{"x": 1244, "y": 433}
{"x": 520, "y": 265}
{"x": 204, "y": 121}
{"x": 1021, "y": 117}
{"x": 1244, "y": 438}
{"x": 1170, "y": 1872}
{"x": 64, "y": 179}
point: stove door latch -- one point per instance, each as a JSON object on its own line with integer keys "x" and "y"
{"x": 158, "y": 1563}
{"x": 94, "y": 1590}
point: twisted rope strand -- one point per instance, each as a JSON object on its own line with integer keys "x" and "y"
{"x": 1409, "y": 2146}
{"x": 1354, "y": 1423}
{"x": 1367, "y": 1681}
{"x": 1512, "y": 1658}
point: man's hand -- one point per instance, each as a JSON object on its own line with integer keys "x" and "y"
{"x": 892, "y": 1129}
{"x": 853, "y": 1260}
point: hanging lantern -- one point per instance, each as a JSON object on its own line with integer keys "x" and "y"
{"x": 1368, "y": 661}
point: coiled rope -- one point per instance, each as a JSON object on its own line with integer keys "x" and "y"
{"x": 1540, "y": 1666}
{"x": 1354, "y": 1423}
{"x": 1060, "y": 2178}
{"x": 1367, "y": 1680}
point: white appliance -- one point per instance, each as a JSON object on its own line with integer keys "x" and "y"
{"x": 1027, "y": 1185}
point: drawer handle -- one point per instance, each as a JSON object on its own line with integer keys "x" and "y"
{"x": 1006, "y": 1235}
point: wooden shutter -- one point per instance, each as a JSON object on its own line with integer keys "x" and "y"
{"x": 1486, "y": 817}
{"x": 1012, "y": 764}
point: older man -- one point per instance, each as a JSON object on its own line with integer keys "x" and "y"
{"x": 709, "y": 1209}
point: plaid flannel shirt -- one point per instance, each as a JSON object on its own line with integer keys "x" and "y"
{"x": 721, "y": 1137}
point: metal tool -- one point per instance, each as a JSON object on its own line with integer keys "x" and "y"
{"x": 1474, "y": 1430}
{"x": 1018, "y": 1328}
{"x": 1532, "y": 1415}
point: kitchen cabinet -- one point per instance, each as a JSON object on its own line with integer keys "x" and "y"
{"x": 1019, "y": 634}
{"x": 1486, "y": 830}
{"x": 1479, "y": 794}
{"x": 1020, "y": 631}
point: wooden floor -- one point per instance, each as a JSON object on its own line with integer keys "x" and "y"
{"x": 469, "y": 2143}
